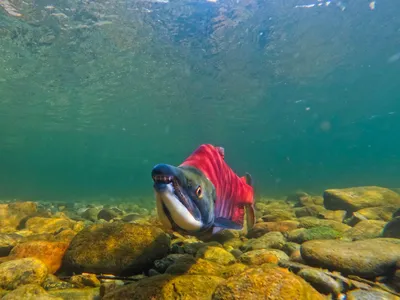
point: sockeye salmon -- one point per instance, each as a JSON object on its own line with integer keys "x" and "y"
{"x": 203, "y": 194}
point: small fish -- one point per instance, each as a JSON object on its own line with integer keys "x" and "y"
{"x": 203, "y": 194}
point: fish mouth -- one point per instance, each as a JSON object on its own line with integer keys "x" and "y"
{"x": 173, "y": 205}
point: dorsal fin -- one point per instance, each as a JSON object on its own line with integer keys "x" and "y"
{"x": 221, "y": 151}
{"x": 248, "y": 179}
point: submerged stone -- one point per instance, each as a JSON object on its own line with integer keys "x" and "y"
{"x": 262, "y": 228}
{"x": 366, "y": 258}
{"x": 315, "y": 233}
{"x": 74, "y": 294}
{"x": 272, "y": 239}
{"x": 266, "y": 283}
{"x": 370, "y": 294}
{"x": 217, "y": 255}
{"x": 383, "y": 213}
{"x": 50, "y": 253}
{"x": 30, "y": 292}
{"x": 116, "y": 248}
{"x": 367, "y": 229}
{"x": 392, "y": 229}
{"x": 262, "y": 256}
{"x": 354, "y": 199}
{"x": 322, "y": 282}
{"x": 199, "y": 287}
{"x": 310, "y": 222}
{"x": 22, "y": 271}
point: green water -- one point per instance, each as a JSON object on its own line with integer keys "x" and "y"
{"x": 94, "y": 93}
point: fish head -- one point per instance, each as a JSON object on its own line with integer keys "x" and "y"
{"x": 185, "y": 198}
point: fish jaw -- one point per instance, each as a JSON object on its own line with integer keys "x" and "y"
{"x": 178, "y": 212}
{"x": 176, "y": 207}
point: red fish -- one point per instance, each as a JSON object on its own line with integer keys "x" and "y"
{"x": 203, "y": 193}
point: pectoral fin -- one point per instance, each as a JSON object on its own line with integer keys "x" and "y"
{"x": 250, "y": 216}
{"x": 226, "y": 223}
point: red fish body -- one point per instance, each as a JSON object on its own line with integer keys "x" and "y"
{"x": 203, "y": 194}
{"x": 233, "y": 193}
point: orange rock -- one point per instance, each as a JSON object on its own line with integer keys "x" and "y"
{"x": 266, "y": 282}
{"x": 50, "y": 253}
{"x": 262, "y": 228}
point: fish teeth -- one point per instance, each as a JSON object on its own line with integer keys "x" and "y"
{"x": 163, "y": 178}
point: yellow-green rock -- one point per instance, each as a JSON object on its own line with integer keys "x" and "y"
{"x": 309, "y": 222}
{"x": 366, "y": 229}
{"x": 12, "y": 215}
{"x": 49, "y": 225}
{"x": 266, "y": 283}
{"x": 30, "y": 292}
{"x": 262, "y": 256}
{"x": 197, "y": 267}
{"x": 217, "y": 255}
{"x": 383, "y": 213}
{"x": 74, "y": 294}
{"x": 22, "y": 271}
{"x": 356, "y": 198}
{"x": 116, "y": 248}
{"x": 262, "y": 228}
{"x": 167, "y": 287}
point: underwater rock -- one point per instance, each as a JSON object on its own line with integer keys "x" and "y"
{"x": 192, "y": 248}
{"x": 30, "y": 292}
{"x": 224, "y": 236}
{"x": 22, "y": 271}
{"x": 52, "y": 282}
{"x": 315, "y": 233}
{"x": 50, "y": 253}
{"x": 49, "y": 225}
{"x": 354, "y": 199}
{"x": 107, "y": 214}
{"x": 262, "y": 228}
{"x": 195, "y": 267}
{"x": 161, "y": 265}
{"x": 336, "y": 215}
{"x": 74, "y": 294}
{"x": 116, "y": 248}
{"x": 304, "y": 199}
{"x": 367, "y": 229}
{"x": 7, "y": 242}
{"x": 355, "y": 219}
{"x": 321, "y": 281}
{"x": 266, "y": 282}
{"x": 392, "y": 229}
{"x": 262, "y": 256}
{"x": 85, "y": 280}
{"x": 383, "y": 213}
{"x": 109, "y": 286}
{"x": 370, "y": 294}
{"x": 274, "y": 240}
{"x": 366, "y": 258}
{"x": 309, "y": 222}
{"x": 233, "y": 270}
{"x": 309, "y": 211}
{"x": 13, "y": 214}
{"x": 168, "y": 287}
{"x": 91, "y": 214}
{"x": 131, "y": 217}
{"x": 276, "y": 215}
{"x": 396, "y": 278}
{"x": 216, "y": 254}
{"x": 396, "y": 213}
{"x": 290, "y": 247}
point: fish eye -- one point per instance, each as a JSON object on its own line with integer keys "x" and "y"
{"x": 199, "y": 192}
